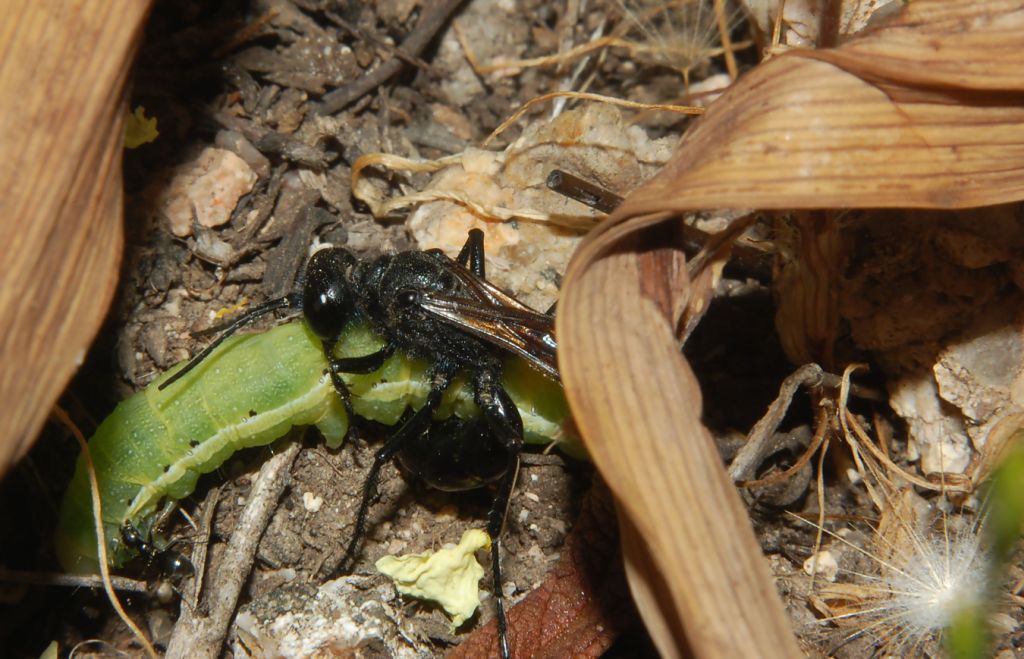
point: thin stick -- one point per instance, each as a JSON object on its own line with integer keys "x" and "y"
{"x": 204, "y": 636}
{"x": 246, "y": 34}
{"x": 749, "y": 458}
{"x": 71, "y": 580}
{"x": 586, "y": 96}
{"x": 865, "y": 441}
{"x": 360, "y": 33}
{"x": 101, "y": 542}
{"x": 201, "y": 548}
{"x": 723, "y": 34}
{"x": 777, "y": 25}
{"x": 583, "y": 50}
{"x": 819, "y": 437}
{"x": 430, "y": 22}
{"x": 821, "y": 513}
{"x": 474, "y": 63}
{"x": 499, "y": 64}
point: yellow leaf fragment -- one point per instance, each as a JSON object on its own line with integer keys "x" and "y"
{"x": 139, "y": 129}
{"x": 448, "y": 576}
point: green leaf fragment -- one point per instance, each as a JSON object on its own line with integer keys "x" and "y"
{"x": 449, "y": 576}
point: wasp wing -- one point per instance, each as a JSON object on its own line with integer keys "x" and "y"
{"x": 504, "y": 328}
{"x": 498, "y": 318}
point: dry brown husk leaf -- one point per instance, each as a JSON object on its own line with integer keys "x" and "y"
{"x": 64, "y": 69}
{"x": 926, "y": 111}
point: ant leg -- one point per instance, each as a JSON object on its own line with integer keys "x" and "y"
{"x": 411, "y": 429}
{"x": 472, "y": 253}
{"x": 503, "y": 419}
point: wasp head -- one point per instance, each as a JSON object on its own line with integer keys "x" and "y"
{"x": 328, "y": 294}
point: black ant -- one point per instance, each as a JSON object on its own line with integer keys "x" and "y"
{"x": 426, "y": 305}
{"x": 171, "y": 562}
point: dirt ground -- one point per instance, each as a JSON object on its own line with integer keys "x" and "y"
{"x": 250, "y": 77}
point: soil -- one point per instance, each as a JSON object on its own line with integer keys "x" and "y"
{"x": 247, "y": 76}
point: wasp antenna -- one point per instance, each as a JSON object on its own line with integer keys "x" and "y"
{"x": 291, "y": 300}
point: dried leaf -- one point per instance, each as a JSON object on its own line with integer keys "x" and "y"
{"x": 583, "y": 604}
{"x": 63, "y": 103}
{"x": 926, "y": 111}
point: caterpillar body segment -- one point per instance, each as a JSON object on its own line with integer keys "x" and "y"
{"x": 249, "y": 392}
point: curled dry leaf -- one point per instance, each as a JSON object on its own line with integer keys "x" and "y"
{"x": 583, "y": 604}
{"x": 63, "y": 104}
{"x": 925, "y": 111}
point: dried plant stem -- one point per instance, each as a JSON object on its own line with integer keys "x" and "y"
{"x": 611, "y": 41}
{"x": 586, "y": 96}
{"x": 687, "y": 537}
{"x": 821, "y": 425}
{"x": 860, "y": 439}
{"x": 71, "y": 580}
{"x": 723, "y": 34}
{"x": 97, "y": 515}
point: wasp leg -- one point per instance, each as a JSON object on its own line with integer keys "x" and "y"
{"x": 362, "y": 364}
{"x": 412, "y": 428}
{"x": 472, "y": 253}
{"x": 503, "y": 419}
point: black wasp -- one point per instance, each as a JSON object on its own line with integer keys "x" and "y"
{"x": 427, "y": 305}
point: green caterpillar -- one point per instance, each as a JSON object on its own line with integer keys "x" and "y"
{"x": 250, "y": 392}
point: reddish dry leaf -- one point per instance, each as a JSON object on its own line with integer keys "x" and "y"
{"x": 926, "y": 111}
{"x": 583, "y": 604}
{"x": 62, "y": 99}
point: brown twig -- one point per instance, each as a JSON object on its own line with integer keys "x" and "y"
{"x": 586, "y": 96}
{"x": 204, "y": 636}
{"x": 201, "y": 547}
{"x": 424, "y": 32}
{"x": 71, "y": 580}
{"x": 753, "y": 454}
{"x": 365, "y": 35}
{"x": 723, "y": 34}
